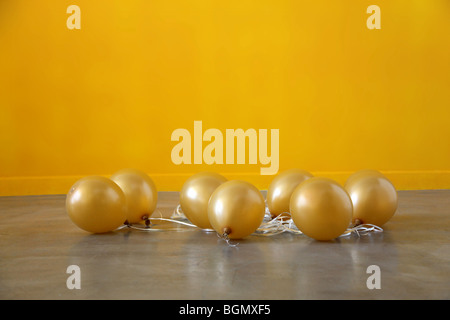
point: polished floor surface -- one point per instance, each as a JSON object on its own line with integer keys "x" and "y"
{"x": 38, "y": 242}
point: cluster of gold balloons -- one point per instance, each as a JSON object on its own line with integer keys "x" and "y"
{"x": 232, "y": 208}
{"x": 98, "y": 204}
{"x": 323, "y": 209}
{"x": 320, "y": 207}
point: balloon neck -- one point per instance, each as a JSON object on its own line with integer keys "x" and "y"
{"x": 226, "y": 231}
{"x": 282, "y": 216}
{"x": 357, "y": 222}
{"x": 146, "y": 220}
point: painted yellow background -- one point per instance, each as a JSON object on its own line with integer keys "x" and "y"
{"x": 96, "y": 100}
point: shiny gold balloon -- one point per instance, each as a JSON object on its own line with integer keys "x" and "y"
{"x": 236, "y": 208}
{"x": 140, "y": 194}
{"x": 281, "y": 188}
{"x": 321, "y": 208}
{"x": 361, "y": 173}
{"x": 195, "y": 194}
{"x": 374, "y": 197}
{"x": 96, "y": 204}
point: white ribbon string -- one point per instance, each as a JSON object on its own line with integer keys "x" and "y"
{"x": 176, "y": 221}
{"x": 269, "y": 226}
{"x": 178, "y": 213}
{"x": 177, "y": 217}
{"x": 281, "y": 223}
{"x": 225, "y": 237}
{"x": 284, "y": 223}
{"x": 362, "y": 229}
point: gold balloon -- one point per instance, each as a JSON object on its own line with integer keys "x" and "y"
{"x": 281, "y": 188}
{"x": 236, "y": 208}
{"x": 140, "y": 194}
{"x": 195, "y": 194}
{"x": 321, "y": 208}
{"x": 374, "y": 197}
{"x": 96, "y": 204}
{"x": 361, "y": 173}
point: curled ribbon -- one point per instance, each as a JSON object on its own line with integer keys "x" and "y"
{"x": 269, "y": 227}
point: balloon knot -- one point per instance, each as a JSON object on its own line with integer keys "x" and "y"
{"x": 226, "y": 231}
{"x": 224, "y": 236}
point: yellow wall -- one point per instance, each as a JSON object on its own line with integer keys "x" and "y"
{"x": 108, "y": 96}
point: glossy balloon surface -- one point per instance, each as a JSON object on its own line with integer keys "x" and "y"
{"x": 236, "y": 208}
{"x": 195, "y": 194}
{"x": 140, "y": 193}
{"x": 374, "y": 197}
{"x": 281, "y": 188}
{"x": 96, "y": 204}
{"x": 321, "y": 208}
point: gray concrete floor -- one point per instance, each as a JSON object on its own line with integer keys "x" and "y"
{"x": 38, "y": 242}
